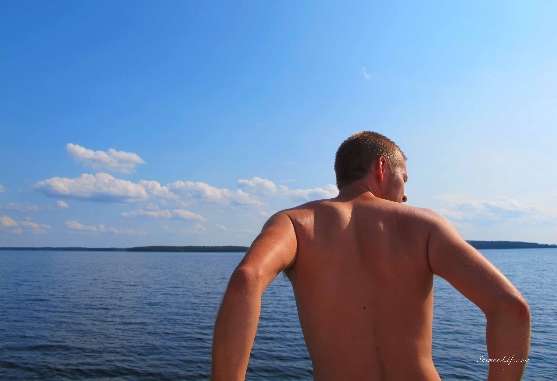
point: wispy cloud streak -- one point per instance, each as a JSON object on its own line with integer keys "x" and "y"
{"x": 22, "y": 226}
{"x": 112, "y": 160}
{"x": 166, "y": 214}
{"x": 462, "y": 209}
{"x": 264, "y": 187}
{"x": 365, "y": 74}
{"x": 100, "y": 228}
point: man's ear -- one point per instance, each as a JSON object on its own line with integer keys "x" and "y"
{"x": 381, "y": 167}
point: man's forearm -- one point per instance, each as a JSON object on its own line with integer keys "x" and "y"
{"x": 508, "y": 343}
{"x": 235, "y": 328}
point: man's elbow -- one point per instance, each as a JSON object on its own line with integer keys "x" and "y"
{"x": 521, "y": 310}
{"x": 244, "y": 279}
{"x": 515, "y": 308}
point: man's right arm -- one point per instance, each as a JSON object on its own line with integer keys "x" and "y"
{"x": 507, "y": 313}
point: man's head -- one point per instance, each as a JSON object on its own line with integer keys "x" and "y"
{"x": 368, "y": 153}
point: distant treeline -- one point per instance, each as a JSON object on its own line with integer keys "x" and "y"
{"x": 192, "y": 249}
{"x": 480, "y": 245}
{"x": 509, "y": 245}
{"x": 66, "y": 248}
{"x": 183, "y": 249}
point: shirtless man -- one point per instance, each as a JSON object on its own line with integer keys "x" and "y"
{"x": 361, "y": 266}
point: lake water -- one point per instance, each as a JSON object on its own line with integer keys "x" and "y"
{"x": 149, "y": 316}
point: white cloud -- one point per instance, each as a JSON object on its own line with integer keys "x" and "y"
{"x": 74, "y": 225}
{"x": 244, "y": 231}
{"x": 265, "y": 214}
{"x": 103, "y": 187}
{"x": 187, "y": 215}
{"x": 259, "y": 186}
{"x": 197, "y": 229}
{"x": 206, "y": 193}
{"x": 117, "y": 161}
{"x": 7, "y": 221}
{"x": 20, "y": 207}
{"x": 462, "y": 209}
{"x": 148, "y": 213}
{"x": 154, "y": 212}
{"x": 34, "y": 227}
{"x": 156, "y": 190}
{"x": 21, "y": 226}
{"x": 221, "y": 227}
{"x": 30, "y": 225}
{"x": 127, "y": 231}
{"x": 98, "y": 187}
{"x": 328, "y": 191}
{"x": 365, "y": 74}
{"x": 2, "y": 189}
{"x": 27, "y": 207}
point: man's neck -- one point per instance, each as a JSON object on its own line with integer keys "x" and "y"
{"x": 356, "y": 189}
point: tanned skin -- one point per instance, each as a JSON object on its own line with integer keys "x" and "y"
{"x": 361, "y": 266}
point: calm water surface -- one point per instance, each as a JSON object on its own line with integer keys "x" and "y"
{"x": 149, "y": 316}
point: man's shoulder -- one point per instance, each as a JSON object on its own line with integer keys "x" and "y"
{"x": 422, "y": 215}
{"x": 301, "y": 212}
{"x": 417, "y": 214}
{"x": 308, "y": 206}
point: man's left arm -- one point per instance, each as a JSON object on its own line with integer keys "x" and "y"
{"x": 272, "y": 251}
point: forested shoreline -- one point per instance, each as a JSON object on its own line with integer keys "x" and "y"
{"x": 480, "y": 245}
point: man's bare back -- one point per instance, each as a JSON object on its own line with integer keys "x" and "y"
{"x": 364, "y": 289}
{"x": 362, "y": 266}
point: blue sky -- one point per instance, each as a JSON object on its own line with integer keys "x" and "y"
{"x": 189, "y": 123}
